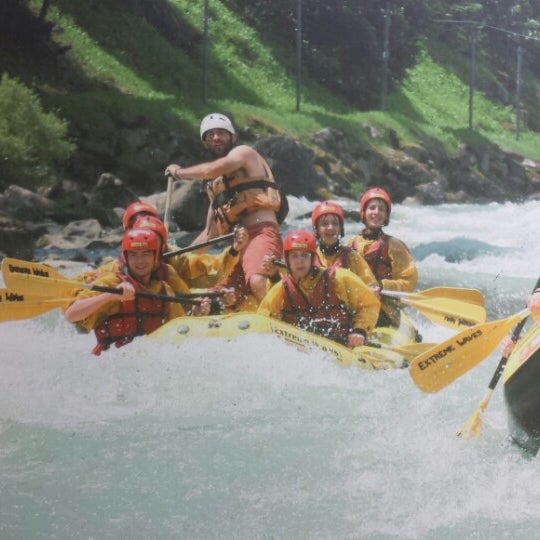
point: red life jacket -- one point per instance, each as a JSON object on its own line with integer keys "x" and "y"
{"x": 377, "y": 256}
{"x": 342, "y": 260}
{"x": 135, "y": 318}
{"x": 324, "y": 313}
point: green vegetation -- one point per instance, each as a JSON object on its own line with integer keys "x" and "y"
{"x": 32, "y": 142}
{"x": 120, "y": 65}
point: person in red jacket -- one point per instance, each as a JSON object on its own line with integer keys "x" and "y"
{"x": 119, "y": 318}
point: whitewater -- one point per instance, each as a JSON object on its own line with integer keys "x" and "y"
{"x": 251, "y": 439}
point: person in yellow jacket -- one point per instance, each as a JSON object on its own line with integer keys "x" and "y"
{"x": 388, "y": 257}
{"x": 328, "y": 222}
{"x": 204, "y": 270}
{"x": 119, "y": 318}
{"x": 332, "y": 302}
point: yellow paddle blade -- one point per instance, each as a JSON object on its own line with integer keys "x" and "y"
{"x": 438, "y": 367}
{"x": 449, "y": 312}
{"x": 37, "y": 279}
{"x": 16, "y": 306}
{"x": 473, "y": 427}
{"x": 409, "y": 352}
{"x": 376, "y": 358}
{"x": 471, "y": 296}
{"x": 446, "y": 306}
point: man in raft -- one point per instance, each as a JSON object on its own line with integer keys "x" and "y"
{"x": 242, "y": 191}
{"x": 389, "y": 258}
{"x": 119, "y": 318}
{"x": 332, "y": 302}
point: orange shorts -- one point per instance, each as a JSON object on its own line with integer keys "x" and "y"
{"x": 264, "y": 239}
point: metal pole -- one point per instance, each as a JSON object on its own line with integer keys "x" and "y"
{"x": 473, "y": 69}
{"x": 386, "y": 54}
{"x": 205, "y": 52}
{"x": 518, "y": 88}
{"x": 298, "y": 52}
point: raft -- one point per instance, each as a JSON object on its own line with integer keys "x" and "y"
{"x": 522, "y": 390}
{"x": 388, "y": 347}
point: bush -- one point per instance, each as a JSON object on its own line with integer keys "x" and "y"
{"x": 33, "y": 143}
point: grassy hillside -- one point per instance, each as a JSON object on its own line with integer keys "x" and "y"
{"x": 121, "y": 64}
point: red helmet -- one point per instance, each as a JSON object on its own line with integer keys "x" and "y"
{"x": 141, "y": 240}
{"x": 299, "y": 241}
{"x": 375, "y": 193}
{"x": 135, "y": 209}
{"x": 328, "y": 207}
{"x": 155, "y": 224}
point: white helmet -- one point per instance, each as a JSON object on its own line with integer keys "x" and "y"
{"x": 216, "y": 121}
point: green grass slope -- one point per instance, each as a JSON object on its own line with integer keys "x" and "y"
{"x": 119, "y": 62}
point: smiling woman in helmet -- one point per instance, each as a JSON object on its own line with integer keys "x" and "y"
{"x": 328, "y": 222}
{"x": 242, "y": 191}
{"x": 389, "y": 258}
{"x": 119, "y": 318}
{"x": 332, "y": 302}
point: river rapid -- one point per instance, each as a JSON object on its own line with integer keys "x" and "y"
{"x": 249, "y": 438}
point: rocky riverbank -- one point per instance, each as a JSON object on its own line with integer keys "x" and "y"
{"x": 64, "y": 217}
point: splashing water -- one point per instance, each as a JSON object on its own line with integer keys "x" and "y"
{"x": 249, "y": 438}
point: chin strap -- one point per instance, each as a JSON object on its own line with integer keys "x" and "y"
{"x": 330, "y": 250}
{"x": 370, "y": 234}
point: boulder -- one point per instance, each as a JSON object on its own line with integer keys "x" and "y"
{"x": 15, "y": 239}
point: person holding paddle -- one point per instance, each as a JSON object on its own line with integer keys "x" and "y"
{"x": 242, "y": 190}
{"x": 118, "y": 319}
{"x": 389, "y": 258}
{"x": 332, "y": 302}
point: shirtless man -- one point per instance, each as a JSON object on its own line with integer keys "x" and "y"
{"x": 242, "y": 191}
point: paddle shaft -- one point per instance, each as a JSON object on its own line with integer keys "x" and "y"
{"x": 474, "y": 422}
{"x": 142, "y": 294}
{"x": 194, "y": 247}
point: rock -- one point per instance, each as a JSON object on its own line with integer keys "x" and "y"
{"x": 15, "y": 239}
{"x": 19, "y": 202}
{"x": 291, "y": 163}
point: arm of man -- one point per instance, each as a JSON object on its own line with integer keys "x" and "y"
{"x": 240, "y": 157}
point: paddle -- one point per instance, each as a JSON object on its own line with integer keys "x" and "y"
{"x": 194, "y": 247}
{"x": 450, "y": 311}
{"x": 16, "y": 306}
{"x": 471, "y": 296}
{"x": 438, "y": 367}
{"x": 41, "y": 280}
{"x": 409, "y": 352}
{"x": 168, "y": 199}
{"x": 473, "y": 427}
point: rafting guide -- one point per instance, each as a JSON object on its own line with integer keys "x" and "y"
{"x": 242, "y": 191}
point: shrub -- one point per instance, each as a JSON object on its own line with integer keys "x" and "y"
{"x": 33, "y": 143}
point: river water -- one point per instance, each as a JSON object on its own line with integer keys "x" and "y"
{"x": 250, "y": 438}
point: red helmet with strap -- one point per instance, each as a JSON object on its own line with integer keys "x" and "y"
{"x": 141, "y": 240}
{"x": 155, "y": 224}
{"x": 375, "y": 193}
{"x": 299, "y": 241}
{"x": 137, "y": 208}
{"x": 328, "y": 207}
